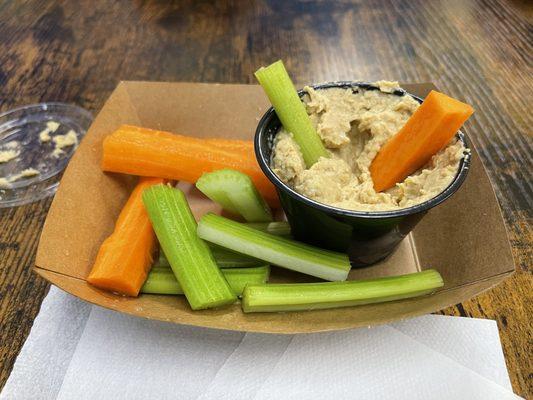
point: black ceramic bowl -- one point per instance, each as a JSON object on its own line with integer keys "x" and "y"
{"x": 367, "y": 236}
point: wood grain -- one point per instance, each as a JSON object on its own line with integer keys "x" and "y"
{"x": 477, "y": 51}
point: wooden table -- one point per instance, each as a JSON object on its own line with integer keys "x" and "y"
{"x": 477, "y": 51}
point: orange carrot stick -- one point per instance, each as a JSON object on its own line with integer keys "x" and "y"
{"x": 125, "y": 257}
{"x": 245, "y": 146}
{"x": 146, "y": 152}
{"x": 429, "y": 129}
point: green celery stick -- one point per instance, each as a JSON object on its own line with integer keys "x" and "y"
{"x": 236, "y": 193}
{"x": 161, "y": 280}
{"x": 239, "y": 278}
{"x": 278, "y": 228}
{"x": 188, "y": 255}
{"x": 275, "y": 250}
{"x": 161, "y": 261}
{"x": 290, "y": 110}
{"x": 230, "y": 259}
{"x": 314, "y": 296}
{"x": 160, "y": 268}
{"x": 223, "y": 257}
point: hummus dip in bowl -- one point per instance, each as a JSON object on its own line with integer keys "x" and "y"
{"x": 333, "y": 204}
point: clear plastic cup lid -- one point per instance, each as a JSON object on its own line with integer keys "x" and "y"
{"x": 36, "y": 144}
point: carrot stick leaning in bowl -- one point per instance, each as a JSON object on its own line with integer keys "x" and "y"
{"x": 146, "y": 152}
{"x": 125, "y": 257}
{"x": 429, "y": 129}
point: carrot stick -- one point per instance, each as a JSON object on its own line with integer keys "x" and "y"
{"x": 429, "y": 129}
{"x": 125, "y": 257}
{"x": 146, "y": 152}
{"x": 244, "y": 146}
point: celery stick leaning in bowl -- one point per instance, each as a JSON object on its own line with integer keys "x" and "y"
{"x": 291, "y": 112}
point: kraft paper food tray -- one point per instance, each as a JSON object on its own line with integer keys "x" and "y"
{"x": 464, "y": 238}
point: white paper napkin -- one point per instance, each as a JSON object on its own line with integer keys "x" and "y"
{"x": 245, "y": 370}
{"x": 377, "y": 363}
{"x": 123, "y": 357}
{"x": 473, "y": 343}
{"x": 120, "y": 356}
{"x": 45, "y": 357}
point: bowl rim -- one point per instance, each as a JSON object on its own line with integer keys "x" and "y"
{"x": 264, "y": 164}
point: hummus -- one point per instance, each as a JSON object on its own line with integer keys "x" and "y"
{"x": 62, "y": 141}
{"x": 5, "y": 182}
{"x": 9, "y": 151}
{"x": 8, "y": 155}
{"x": 354, "y": 125}
{"x": 51, "y": 127}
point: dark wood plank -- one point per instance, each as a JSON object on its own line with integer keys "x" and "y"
{"x": 479, "y": 51}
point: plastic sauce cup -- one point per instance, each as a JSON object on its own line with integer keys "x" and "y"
{"x": 366, "y": 236}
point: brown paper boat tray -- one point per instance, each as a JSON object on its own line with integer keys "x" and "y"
{"x": 464, "y": 238}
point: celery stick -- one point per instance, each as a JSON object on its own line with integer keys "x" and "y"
{"x": 230, "y": 259}
{"x": 223, "y": 257}
{"x": 239, "y": 278}
{"x": 161, "y": 261}
{"x": 275, "y": 250}
{"x": 162, "y": 280}
{"x": 235, "y": 192}
{"x": 290, "y": 110}
{"x": 161, "y": 268}
{"x": 314, "y": 296}
{"x": 278, "y": 228}
{"x": 188, "y": 255}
